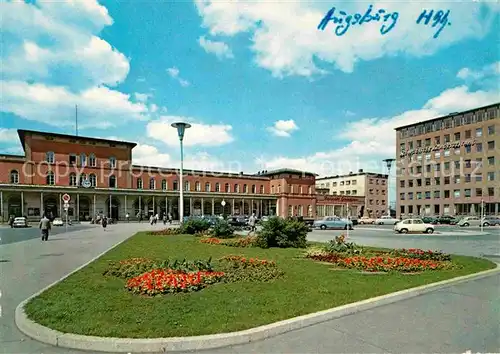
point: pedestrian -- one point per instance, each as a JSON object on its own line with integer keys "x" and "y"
{"x": 104, "y": 222}
{"x": 45, "y": 227}
{"x": 11, "y": 221}
{"x": 169, "y": 218}
{"x": 127, "y": 217}
{"x": 157, "y": 217}
{"x": 165, "y": 219}
{"x": 251, "y": 223}
{"x": 151, "y": 219}
{"x": 139, "y": 215}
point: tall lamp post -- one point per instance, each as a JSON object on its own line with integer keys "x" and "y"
{"x": 181, "y": 128}
{"x": 388, "y": 163}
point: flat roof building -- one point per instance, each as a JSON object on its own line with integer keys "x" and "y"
{"x": 449, "y": 165}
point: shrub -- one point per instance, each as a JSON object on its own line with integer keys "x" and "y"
{"x": 421, "y": 254}
{"x": 222, "y": 229}
{"x": 164, "y": 281}
{"x": 136, "y": 266}
{"x": 315, "y": 251}
{"x": 237, "y": 268}
{"x": 278, "y": 232}
{"x": 339, "y": 245}
{"x": 193, "y": 226}
{"x": 167, "y": 231}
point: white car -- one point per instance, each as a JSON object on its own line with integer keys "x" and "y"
{"x": 469, "y": 221}
{"x": 413, "y": 226}
{"x": 387, "y": 220}
{"x": 20, "y": 222}
{"x": 57, "y": 222}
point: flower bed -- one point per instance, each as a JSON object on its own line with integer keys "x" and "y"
{"x": 166, "y": 281}
{"x": 133, "y": 267}
{"x": 166, "y": 232}
{"x": 238, "y": 268}
{"x": 387, "y": 264}
{"x": 231, "y": 242}
{"x": 211, "y": 240}
{"x": 421, "y": 254}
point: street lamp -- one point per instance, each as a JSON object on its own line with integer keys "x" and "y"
{"x": 223, "y": 203}
{"x": 181, "y": 128}
{"x": 388, "y": 163}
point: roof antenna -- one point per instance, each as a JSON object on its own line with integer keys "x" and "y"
{"x": 76, "y": 118}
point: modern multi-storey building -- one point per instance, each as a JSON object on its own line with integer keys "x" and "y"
{"x": 368, "y": 189}
{"x": 450, "y": 165}
{"x": 100, "y": 178}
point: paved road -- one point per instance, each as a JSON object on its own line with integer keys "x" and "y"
{"x": 9, "y": 235}
{"x": 452, "y": 320}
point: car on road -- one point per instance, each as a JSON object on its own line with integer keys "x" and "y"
{"x": 57, "y": 222}
{"x": 366, "y": 220}
{"x": 469, "y": 221}
{"x": 430, "y": 220}
{"x": 491, "y": 221}
{"x": 447, "y": 219}
{"x": 20, "y": 222}
{"x": 387, "y": 220}
{"x": 413, "y": 226}
{"x": 332, "y": 222}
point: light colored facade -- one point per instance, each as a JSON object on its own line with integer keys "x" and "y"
{"x": 450, "y": 165}
{"x": 372, "y": 187}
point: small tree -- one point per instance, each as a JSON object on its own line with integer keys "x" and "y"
{"x": 277, "y": 232}
{"x": 193, "y": 226}
{"x": 222, "y": 229}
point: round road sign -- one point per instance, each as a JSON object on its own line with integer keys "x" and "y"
{"x": 66, "y": 198}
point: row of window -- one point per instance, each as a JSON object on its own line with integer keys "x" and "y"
{"x": 81, "y": 159}
{"x": 298, "y": 210}
{"x": 436, "y": 181}
{"x": 351, "y": 183}
{"x": 457, "y": 193}
{"x": 478, "y": 148}
{"x": 291, "y": 189}
{"x": 448, "y": 123}
{"x": 477, "y": 163}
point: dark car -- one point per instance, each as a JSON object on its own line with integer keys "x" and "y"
{"x": 430, "y": 220}
{"x": 446, "y": 219}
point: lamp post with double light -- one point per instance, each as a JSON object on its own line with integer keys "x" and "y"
{"x": 388, "y": 163}
{"x": 181, "y": 128}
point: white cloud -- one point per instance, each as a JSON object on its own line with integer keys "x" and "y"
{"x": 220, "y": 49}
{"x": 153, "y": 108}
{"x": 8, "y": 135}
{"x": 55, "y": 105}
{"x": 174, "y": 74}
{"x": 199, "y": 134}
{"x": 59, "y": 36}
{"x": 286, "y": 41}
{"x": 486, "y": 77}
{"x": 283, "y": 128}
{"x": 142, "y": 97}
{"x": 349, "y": 113}
{"x": 374, "y": 139}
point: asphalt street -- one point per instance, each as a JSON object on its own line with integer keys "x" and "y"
{"x": 11, "y": 235}
{"x": 456, "y": 319}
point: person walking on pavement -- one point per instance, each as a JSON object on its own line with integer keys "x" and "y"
{"x": 165, "y": 219}
{"x": 127, "y": 217}
{"x": 11, "y": 221}
{"x": 45, "y": 227}
{"x": 251, "y": 223}
{"x": 104, "y": 222}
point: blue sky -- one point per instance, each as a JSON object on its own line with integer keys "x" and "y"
{"x": 261, "y": 85}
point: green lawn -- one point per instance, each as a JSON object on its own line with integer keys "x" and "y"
{"x": 91, "y": 304}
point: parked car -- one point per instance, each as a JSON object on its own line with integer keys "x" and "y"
{"x": 332, "y": 222}
{"x": 447, "y": 219}
{"x": 57, "y": 222}
{"x": 20, "y": 222}
{"x": 366, "y": 220}
{"x": 470, "y": 221}
{"x": 430, "y": 220}
{"x": 354, "y": 220}
{"x": 491, "y": 221}
{"x": 387, "y": 220}
{"x": 413, "y": 226}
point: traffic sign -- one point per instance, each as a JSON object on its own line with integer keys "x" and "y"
{"x": 66, "y": 198}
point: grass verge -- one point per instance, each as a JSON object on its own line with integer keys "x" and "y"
{"x": 89, "y": 303}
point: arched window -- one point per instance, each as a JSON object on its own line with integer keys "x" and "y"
{"x": 227, "y": 189}
{"x": 197, "y": 186}
{"x": 112, "y": 162}
{"x": 186, "y": 186}
{"x": 14, "y": 177}
{"x": 83, "y": 160}
{"x": 93, "y": 180}
{"x": 72, "y": 179}
{"x": 245, "y": 188}
{"x": 279, "y": 188}
{"x": 83, "y": 177}
{"x": 112, "y": 181}
{"x": 51, "y": 179}
{"x": 217, "y": 187}
{"x": 254, "y": 188}
{"x": 164, "y": 184}
{"x": 139, "y": 183}
{"x": 236, "y": 188}
{"x": 261, "y": 189}
{"x": 272, "y": 189}
{"x": 175, "y": 185}
{"x": 207, "y": 187}
{"x": 152, "y": 183}
{"x": 50, "y": 157}
{"x": 92, "y": 160}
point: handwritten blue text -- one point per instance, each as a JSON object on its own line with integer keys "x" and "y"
{"x": 440, "y": 18}
{"x": 345, "y": 21}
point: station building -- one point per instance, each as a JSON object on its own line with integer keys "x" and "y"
{"x": 100, "y": 178}
{"x": 450, "y": 165}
